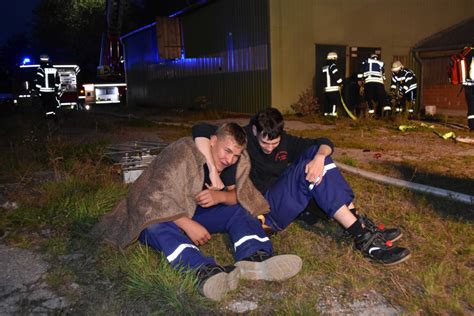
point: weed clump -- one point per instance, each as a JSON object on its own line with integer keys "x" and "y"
{"x": 307, "y": 103}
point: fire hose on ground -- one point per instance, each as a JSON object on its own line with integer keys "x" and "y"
{"x": 421, "y": 188}
{"x": 445, "y": 136}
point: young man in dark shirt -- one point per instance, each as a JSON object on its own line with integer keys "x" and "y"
{"x": 290, "y": 171}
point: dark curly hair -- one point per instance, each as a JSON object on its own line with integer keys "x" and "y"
{"x": 269, "y": 122}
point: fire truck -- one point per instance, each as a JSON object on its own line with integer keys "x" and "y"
{"x": 111, "y": 57}
{"x": 111, "y": 87}
{"x": 24, "y": 85}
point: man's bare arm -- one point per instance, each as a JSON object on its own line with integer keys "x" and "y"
{"x": 324, "y": 151}
{"x": 204, "y": 146}
{"x": 208, "y": 198}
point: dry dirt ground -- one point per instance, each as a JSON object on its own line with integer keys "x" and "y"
{"x": 23, "y": 289}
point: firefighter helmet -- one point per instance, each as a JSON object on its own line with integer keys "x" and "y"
{"x": 331, "y": 56}
{"x": 374, "y": 56}
{"x": 396, "y": 66}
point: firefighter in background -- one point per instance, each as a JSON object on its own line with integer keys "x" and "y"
{"x": 468, "y": 85}
{"x": 372, "y": 74}
{"x": 332, "y": 85}
{"x": 47, "y": 86}
{"x": 403, "y": 84}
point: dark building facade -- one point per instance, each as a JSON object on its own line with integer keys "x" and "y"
{"x": 219, "y": 58}
{"x": 244, "y": 55}
{"x": 434, "y": 53}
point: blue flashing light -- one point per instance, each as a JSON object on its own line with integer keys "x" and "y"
{"x": 26, "y": 60}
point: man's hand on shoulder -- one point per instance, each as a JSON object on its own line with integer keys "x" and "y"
{"x": 195, "y": 231}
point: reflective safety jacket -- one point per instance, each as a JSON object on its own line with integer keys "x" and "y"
{"x": 372, "y": 71}
{"x": 47, "y": 79}
{"x": 405, "y": 80}
{"x": 470, "y": 69}
{"x": 331, "y": 77}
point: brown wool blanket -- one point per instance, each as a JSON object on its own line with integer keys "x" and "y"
{"x": 165, "y": 191}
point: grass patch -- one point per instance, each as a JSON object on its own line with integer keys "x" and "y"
{"x": 348, "y": 161}
{"x": 73, "y": 205}
{"x": 154, "y": 280}
{"x": 57, "y": 213}
{"x": 60, "y": 276}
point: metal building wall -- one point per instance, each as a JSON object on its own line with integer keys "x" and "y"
{"x": 226, "y": 61}
{"x": 140, "y": 50}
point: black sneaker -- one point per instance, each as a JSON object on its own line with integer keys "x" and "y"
{"x": 375, "y": 247}
{"x": 389, "y": 234}
{"x": 263, "y": 266}
{"x": 215, "y": 281}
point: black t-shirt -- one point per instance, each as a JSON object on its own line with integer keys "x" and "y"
{"x": 227, "y": 176}
{"x": 267, "y": 168}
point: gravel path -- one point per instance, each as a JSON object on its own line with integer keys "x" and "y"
{"x": 23, "y": 289}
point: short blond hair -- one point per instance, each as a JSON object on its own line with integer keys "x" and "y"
{"x": 233, "y": 130}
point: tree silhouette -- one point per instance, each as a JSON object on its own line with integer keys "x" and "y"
{"x": 70, "y": 32}
{"x": 11, "y": 54}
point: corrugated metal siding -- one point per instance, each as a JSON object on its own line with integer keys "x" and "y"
{"x": 184, "y": 91}
{"x": 140, "y": 49}
{"x": 229, "y": 66}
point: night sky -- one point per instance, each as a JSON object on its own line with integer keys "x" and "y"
{"x": 16, "y": 17}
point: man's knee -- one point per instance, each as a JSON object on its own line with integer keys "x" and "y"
{"x": 307, "y": 156}
{"x": 154, "y": 230}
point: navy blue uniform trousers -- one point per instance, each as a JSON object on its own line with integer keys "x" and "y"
{"x": 290, "y": 195}
{"x": 245, "y": 232}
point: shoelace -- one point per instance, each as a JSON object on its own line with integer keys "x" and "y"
{"x": 376, "y": 239}
{"x": 207, "y": 270}
{"x": 259, "y": 256}
{"x": 370, "y": 225}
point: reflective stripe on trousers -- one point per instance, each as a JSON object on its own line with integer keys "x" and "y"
{"x": 245, "y": 233}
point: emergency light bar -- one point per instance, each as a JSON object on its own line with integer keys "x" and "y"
{"x": 76, "y": 67}
{"x": 100, "y": 85}
{"x": 103, "y": 102}
{"x": 29, "y": 66}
